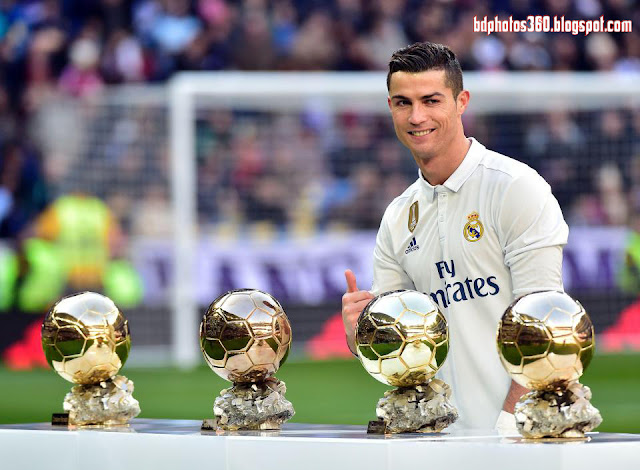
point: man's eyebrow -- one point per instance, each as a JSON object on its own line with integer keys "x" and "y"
{"x": 425, "y": 97}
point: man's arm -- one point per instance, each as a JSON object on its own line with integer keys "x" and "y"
{"x": 532, "y": 233}
{"x": 531, "y": 271}
{"x": 506, "y": 423}
{"x": 387, "y": 275}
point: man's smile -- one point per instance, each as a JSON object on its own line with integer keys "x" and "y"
{"x": 421, "y": 133}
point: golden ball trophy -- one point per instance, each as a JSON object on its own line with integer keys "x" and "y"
{"x": 402, "y": 339}
{"x": 545, "y": 342}
{"x": 245, "y": 337}
{"x": 86, "y": 341}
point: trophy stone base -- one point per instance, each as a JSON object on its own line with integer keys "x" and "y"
{"x": 107, "y": 403}
{"x": 253, "y": 406}
{"x": 422, "y": 408}
{"x": 563, "y": 413}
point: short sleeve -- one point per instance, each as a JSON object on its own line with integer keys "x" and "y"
{"x": 532, "y": 232}
{"x": 387, "y": 272}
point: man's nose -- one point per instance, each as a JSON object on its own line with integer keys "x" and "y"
{"x": 418, "y": 115}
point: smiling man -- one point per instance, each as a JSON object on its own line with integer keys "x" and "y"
{"x": 476, "y": 230}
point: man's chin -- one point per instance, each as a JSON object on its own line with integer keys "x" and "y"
{"x": 422, "y": 158}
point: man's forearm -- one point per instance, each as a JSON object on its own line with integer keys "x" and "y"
{"x": 513, "y": 395}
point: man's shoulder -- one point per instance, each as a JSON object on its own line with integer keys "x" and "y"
{"x": 498, "y": 162}
{"x": 407, "y": 197}
{"x": 512, "y": 183}
{"x": 400, "y": 205}
{"x": 502, "y": 168}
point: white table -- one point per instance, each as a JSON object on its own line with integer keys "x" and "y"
{"x": 179, "y": 444}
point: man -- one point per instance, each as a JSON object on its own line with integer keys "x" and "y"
{"x": 71, "y": 247}
{"x": 476, "y": 230}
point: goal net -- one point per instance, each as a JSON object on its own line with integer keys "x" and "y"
{"x": 278, "y": 181}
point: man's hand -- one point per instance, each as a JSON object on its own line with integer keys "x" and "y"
{"x": 353, "y": 302}
{"x": 506, "y": 424}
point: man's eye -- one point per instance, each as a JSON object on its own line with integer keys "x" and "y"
{"x": 431, "y": 101}
{"x": 402, "y": 103}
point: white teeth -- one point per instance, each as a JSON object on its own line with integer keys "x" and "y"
{"x": 421, "y": 133}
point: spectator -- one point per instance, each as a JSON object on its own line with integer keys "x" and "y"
{"x": 315, "y": 46}
{"x": 363, "y": 205}
{"x": 555, "y": 148}
{"x": 124, "y": 59}
{"x": 252, "y": 46}
{"x": 74, "y": 244}
{"x": 81, "y": 77}
{"x": 23, "y": 189}
{"x": 611, "y": 193}
{"x": 174, "y": 26}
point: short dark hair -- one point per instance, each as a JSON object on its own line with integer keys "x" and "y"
{"x": 423, "y": 56}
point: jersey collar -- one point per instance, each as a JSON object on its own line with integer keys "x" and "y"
{"x": 460, "y": 175}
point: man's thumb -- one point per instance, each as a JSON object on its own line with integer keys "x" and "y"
{"x": 351, "y": 281}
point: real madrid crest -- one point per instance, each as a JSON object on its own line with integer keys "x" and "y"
{"x": 473, "y": 229}
{"x": 414, "y": 215}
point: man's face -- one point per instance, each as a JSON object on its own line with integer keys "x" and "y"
{"x": 426, "y": 116}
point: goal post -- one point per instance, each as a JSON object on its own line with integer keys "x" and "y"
{"x": 277, "y": 181}
{"x": 183, "y": 197}
{"x": 287, "y": 92}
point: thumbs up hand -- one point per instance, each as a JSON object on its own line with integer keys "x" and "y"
{"x": 353, "y": 302}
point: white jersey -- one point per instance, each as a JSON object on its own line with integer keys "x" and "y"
{"x": 492, "y": 232}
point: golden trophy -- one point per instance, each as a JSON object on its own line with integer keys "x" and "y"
{"x": 402, "y": 339}
{"x": 245, "y": 337}
{"x": 86, "y": 341}
{"x": 545, "y": 342}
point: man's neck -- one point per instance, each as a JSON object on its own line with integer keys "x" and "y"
{"x": 438, "y": 169}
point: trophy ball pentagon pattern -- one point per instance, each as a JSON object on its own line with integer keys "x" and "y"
{"x": 402, "y": 338}
{"x": 245, "y": 336}
{"x": 545, "y": 340}
{"x": 86, "y": 338}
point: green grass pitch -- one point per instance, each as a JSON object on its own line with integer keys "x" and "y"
{"x": 335, "y": 392}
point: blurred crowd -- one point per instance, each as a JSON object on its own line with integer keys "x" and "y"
{"x": 346, "y": 170}
{"x": 341, "y": 170}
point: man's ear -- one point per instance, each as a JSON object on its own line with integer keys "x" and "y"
{"x": 463, "y": 101}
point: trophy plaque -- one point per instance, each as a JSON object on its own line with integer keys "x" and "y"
{"x": 86, "y": 341}
{"x": 402, "y": 339}
{"x": 245, "y": 337}
{"x": 545, "y": 342}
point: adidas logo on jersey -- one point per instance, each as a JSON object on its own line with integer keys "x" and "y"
{"x": 413, "y": 246}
